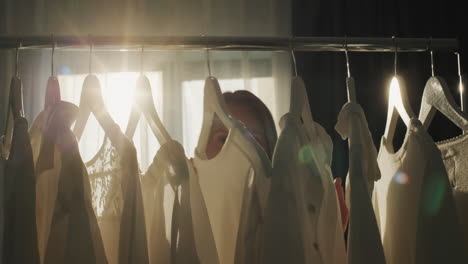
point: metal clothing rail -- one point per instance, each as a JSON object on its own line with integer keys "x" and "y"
{"x": 119, "y": 43}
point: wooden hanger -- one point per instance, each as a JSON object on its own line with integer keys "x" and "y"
{"x": 52, "y": 95}
{"x": 436, "y": 96}
{"x": 213, "y": 100}
{"x": 91, "y": 101}
{"x": 53, "y": 87}
{"x": 350, "y": 86}
{"x": 144, "y": 104}
{"x": 299, "y": 103}
{"x": 397, "y": 103}
{"x": 15, "y": 102}
{"x": 213, "y": 106}
{"x": 16, "y": 91}
{"x": 15, "y": 108}
{"x": 349, "y": 80}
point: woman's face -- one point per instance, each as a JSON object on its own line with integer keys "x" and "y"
{"x": 246, "y": 115}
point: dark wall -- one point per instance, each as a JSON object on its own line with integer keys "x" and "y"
{"x": 325, "y": 73}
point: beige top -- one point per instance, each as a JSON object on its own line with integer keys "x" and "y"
{"x": 231, "y": 183}
{"x": 364, "y": 243}
{"x": 296, "y": 196}
{"x": 413, "y": 203}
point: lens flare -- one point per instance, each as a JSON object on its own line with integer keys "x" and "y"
{"x": 433, "y": 193}
{"x": 64, "y": 70}
{"x": 306, "y": 155}
{"x": 401, "y": 178}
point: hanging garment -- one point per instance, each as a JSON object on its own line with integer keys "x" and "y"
{"x": 46, "y": 186}
{"x": 330, "y": 230}
{"x": 117, "y": 200}
{"x": 303, "y": 197}
{"x": 2, "y": 194}
{"x": 364, "y": 243}
{"x": 20, "y": 234}
{"x": 66, "y": 223}
{"x": 225, "y": 181}
{"x": 232, "y": 182}
{"x": 316, "y": 150}
{"x": 291, "y": 228}
{"x": 454, "y": 155}
{"x": 413, "y": 202}
{"x": 169, "y": 215}
{"x": 203, "y": 232}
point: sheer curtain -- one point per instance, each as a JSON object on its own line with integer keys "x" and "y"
{"x": 177, "y": 77}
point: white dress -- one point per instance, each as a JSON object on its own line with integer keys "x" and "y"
{"x": 364, "y": 243}
{"x": 413, "y": 203}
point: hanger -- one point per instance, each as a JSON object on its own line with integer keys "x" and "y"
{"x": 299, "y": 102}
{"x": 213, "y": 105}
{"x": 436, "y": 96}
{"x": 91, "y": 101}
{"x": 16, "y": 91}
{"x": 15, "y": 105}
{"x": 53, "y": 88}
{"x": 397, "y": 102}
{"x": 213, "y": 95}
{"x": 143, "y": 103}
{"x": 460, "y": 84}
{"x": 214, "y": 101}
{"x": 349, "y": 80}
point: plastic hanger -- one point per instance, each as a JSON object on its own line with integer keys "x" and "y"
{"x": 460, "y": 84}
{"x": 15, "y": 105}
{"x": 299, "y": 103}
{"x": 436, "y": 96}
{"x": 351, "y": 91}
{"x": 214, "y": 101}
{"x": 349, "y": 80}
{"x": 214, "y": 105}
{"x": 53, "y": 88}
{"x": 397, "y": 103}
{"x": 16, "y": 92}
{"x": 144, "y": 104}
{"x": 91, "y": 101}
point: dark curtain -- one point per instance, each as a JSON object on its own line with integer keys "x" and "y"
{"x": 324, "y": 73}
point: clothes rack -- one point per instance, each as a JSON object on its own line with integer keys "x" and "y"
{"x": 128, "y": 43}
